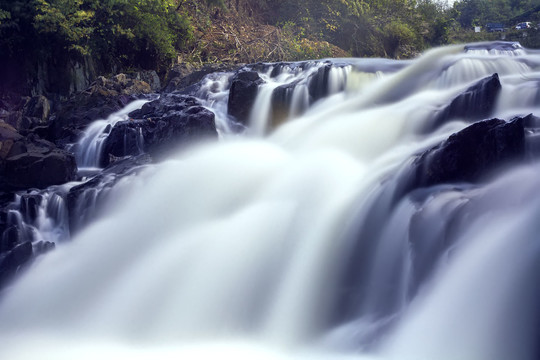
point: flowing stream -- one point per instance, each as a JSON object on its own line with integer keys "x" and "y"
{"x": 291, "y": 245}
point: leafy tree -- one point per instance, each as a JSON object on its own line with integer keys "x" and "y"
{"x": 137, "y": 32}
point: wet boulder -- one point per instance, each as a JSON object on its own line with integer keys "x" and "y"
{"x": 242, "y": 95}
{"x": 471, "y": 153}
{"x": 281, "y": 102}
{"x": 318, "y": 83}
{"x": 159, "y": 126}
{"x": 475, "y": 103}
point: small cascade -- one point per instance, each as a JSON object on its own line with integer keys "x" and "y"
{"x": 42, "y": 215}
{"x": 34, "y": 223}
{"x": 290, "y": 89}
{"x": 214, "y": 93}
{"x": 88, "y": 150}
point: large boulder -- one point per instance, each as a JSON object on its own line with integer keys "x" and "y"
{"x": 471, "y": 154}
{"x": 242, "y": 94}
{"x": 159, "y": 126}
{"x": 475, "y": 103}
{"x": 31, "y": 162}
{"x": 36, "y": 169}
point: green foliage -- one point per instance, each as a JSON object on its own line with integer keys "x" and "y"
{"x": 129, "y": 33}
{"x": 296, "y": 47}
{"x": 397, "y": 28}
{"x": 4, "y": 16}
{"x": 397, "y": 35}
{"x": 66, "y": 22}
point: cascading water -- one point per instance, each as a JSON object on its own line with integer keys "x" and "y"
{"x": 88, "y": 150}
{"x": 308, "y": 243}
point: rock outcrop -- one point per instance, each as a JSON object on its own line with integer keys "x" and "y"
{"x": 242, "y": 95}
{"x": 159, "y": 126}
{"x": 31, "y": 162}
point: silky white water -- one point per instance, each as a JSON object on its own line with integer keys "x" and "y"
{"x": 241, "y": 249}
{"x": 89, "y": 146}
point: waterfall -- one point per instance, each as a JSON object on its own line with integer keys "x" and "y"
{"x": 310, "y": 241}
{"x": 89, "y": 147}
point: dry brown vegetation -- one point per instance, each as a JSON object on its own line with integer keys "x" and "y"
{"x": 231, "y": 36}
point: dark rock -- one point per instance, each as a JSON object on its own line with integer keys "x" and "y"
{"x": 471, "y": 153}
{"x": 318, "y": 83}
{"x": 475, "y": 103}
{"x": 27, "y": 162}
{"x": 37, "y": 107}
{"x": 126, "y": 138}
{"x": 12, "y": 261}
{"x": 159, "y": 126}
{"x": 30, "y": 204}
{"x": 34, "y": 111}
{"x": 10, "y": 238}
{"x": 531, "y": 122}
{"x": 281, "y": 102}
{"x": 39, "y": 170}
{"x": 164, "y": 105}
{"x": 242, "y": 95}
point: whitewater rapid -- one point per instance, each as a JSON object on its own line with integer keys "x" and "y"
{"x": 239, "y": 248}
